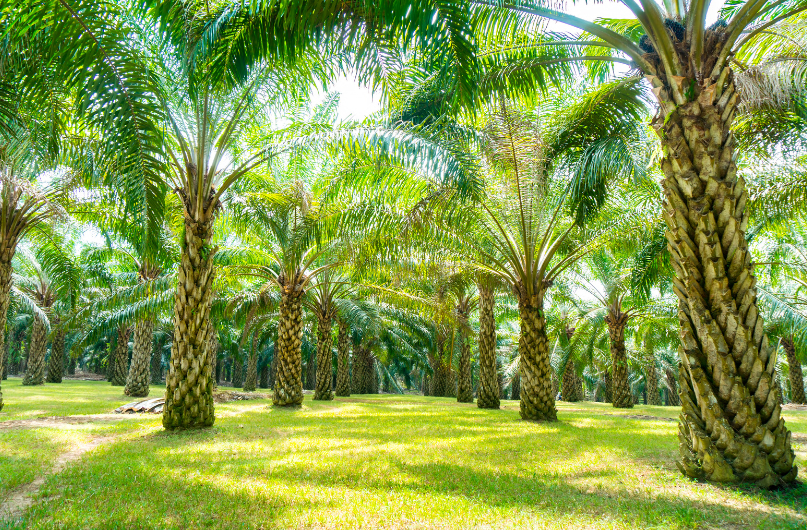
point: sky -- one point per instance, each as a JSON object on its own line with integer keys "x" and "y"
{"x": 357, "y": 102}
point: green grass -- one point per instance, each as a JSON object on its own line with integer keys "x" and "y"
{"x": 391, "y": 462}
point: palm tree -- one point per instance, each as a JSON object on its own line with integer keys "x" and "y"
{"x": 489, "y": 392}
{"x": 727, "y": 362}
{"x": 521, "y": 233}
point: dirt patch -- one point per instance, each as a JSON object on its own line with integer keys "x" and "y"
{"x": 640, "y": 417}
{"x": 793, "y": 406}
{"x": 59, "y": 421}
{"x": 22, "y": 498}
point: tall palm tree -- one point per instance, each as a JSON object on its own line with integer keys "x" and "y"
{"x": 727, "y": 361}
{"x": 522, "y": 231}
{"x": 489, "y": 392}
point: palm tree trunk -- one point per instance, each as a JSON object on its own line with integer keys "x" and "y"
{"x": 56, "y": 363}
{"x": 213, "y": 360}
{"x": 515, "y": 387}
{"x": 35, "y": 371}
{"x": 264, "y": 378}
{"x": 569, "y": 391}
{"x": 794, "y": 372}
{"x": 672, "y": 387}
{"x": 651, "y": 378}
{"x": 730, "y": 429}
{"x": 238, "y": 373}
{"x": 188, "y": 393}
{"x": 622, "y": 397}
{"x": 324, "y": 363}
{"x": 157, "y": 363}
{"x": 465, "y": 393}
{"x": 71, "y": 366}
{"x": 273, "y": 370}
{"x": 537, "y": 401}
{"x": 609, "y": 386}
{"x": 289, "y": 382}
{"x": 251, "y": 380}
{"x": 137, "y": 382}
{"x": 489, "y": 393}
{"x": 343, "y": 360}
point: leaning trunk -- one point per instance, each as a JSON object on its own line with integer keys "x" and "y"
{"x": 730, "y": 426}
{"x": 288, "y": 381}
{"x": 188, "y": 392}
{"x": 324, "y": 364}
{"x": 537, "y": 401}
{"x": 137, "y": 383}
{"x": 794, "y": 372}
{"x": 343, "y": 360}
{"x": 651, "y": 379}
{"x": 622, "y": 397}
{"x": 56, "y": 363}
{"x": 35, "y": 371}
{"x": 489, "y": 392}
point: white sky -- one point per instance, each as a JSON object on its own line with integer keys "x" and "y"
{"x": 357, "y": 101}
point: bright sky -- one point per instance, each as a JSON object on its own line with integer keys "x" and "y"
{"x": 357, "y": 101}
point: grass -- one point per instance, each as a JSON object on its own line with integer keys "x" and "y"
{"x": 380, "y": 462}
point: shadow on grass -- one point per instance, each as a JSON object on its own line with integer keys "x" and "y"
{"x": 307, "y": 468}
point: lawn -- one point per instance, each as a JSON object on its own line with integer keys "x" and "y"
{"x": 371, "y": 462}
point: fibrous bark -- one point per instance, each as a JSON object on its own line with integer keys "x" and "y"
{"x": 251, "y": 379}
{"x": 188, "y": 393}
{"x": 537, "y": 401}
{"x": 794, "y": 372}
{"x": 324, "y": 362}
{"x": 213, "y": 360}
{"x": 288, "y": 389}
{"x": 137, "y": 382}
{"x": 56, "y": 363}
{"x": 157, "y": 363}
{"x": 35, "y": 369}
{"x": 343, "y": 360}
{"x": 489, "y": 393}
{"x": 730, "y": 426}
{"x": 609, "y": 387}
{"x": 622, "y": 397}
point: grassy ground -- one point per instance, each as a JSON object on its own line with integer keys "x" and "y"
{"x": 373, "y": 462}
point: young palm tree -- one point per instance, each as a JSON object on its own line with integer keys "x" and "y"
{"x": 727, "y": 361}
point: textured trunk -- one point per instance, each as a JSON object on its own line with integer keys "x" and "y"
{"x": 651, "y": 378}
{"x": 794, "y": 372}
{"x": 273, "y": 371}
{"x": 71, "y": 366}
{"x": 343, "y": 361}
{"x": 622, "y": 397}
{"x": 515, "y": 387}
{"x": 465, "y": 393}
{"x": 440, "y": 381}
{"x": 569, "y": 390}
{"x": 324, "y": 362}
{"x": 251, "y": 379}
{"x": 238, "y": 373}
{"x": 213, "y": 360}
{"x": 672, "y": 387}
{"x": 137, "y": 382}
{"x": 537, "y": 401}
{"x": 35, "y": 371}
{"x": 264, "y": 378}
{"x": 56, "y": 363}
{"x": 5, "y": 299}
{"x": 188, "y": 393}
{"x": 156, "y": 368}
{"x": 489, "y": 392}
{"x": 373, "y": 379}
{"x": 730, "y": 426}
{"x": 609, "y": 387}
{"x": 288, "y": 382}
